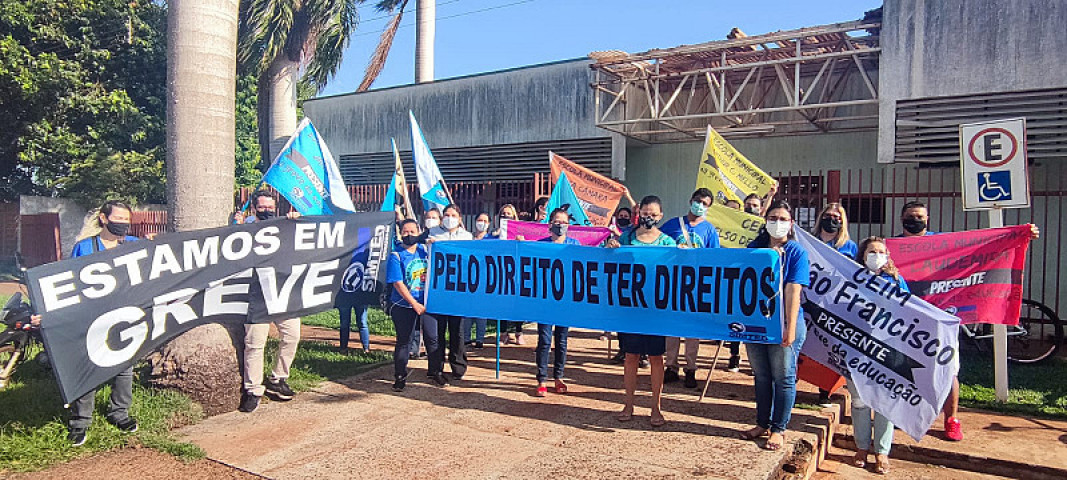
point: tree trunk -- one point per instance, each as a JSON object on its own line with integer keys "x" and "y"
{"x": 201, "y": 97}
{"x": 278, "y": 94}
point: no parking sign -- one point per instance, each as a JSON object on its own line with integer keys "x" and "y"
{"x": 993, "y": 165}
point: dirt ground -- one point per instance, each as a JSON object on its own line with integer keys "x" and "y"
{"x": 136, "y": 463}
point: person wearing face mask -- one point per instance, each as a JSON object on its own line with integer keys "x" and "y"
{"x": 775, "y": 366}
{"x": 872, "y": 253}
{"x": 559, "y": 222}
{"x": 481, "y": 232}
{"x": 256, "y": 335}
{"x": 512, "y": 330}
{"x": 114, "y": 221}
{"x": 635, "y": 345}
{"x": 754, "y": 205}
{"x": 832, "y": 230}
{"x": 539, "y": 212}
{"x": 451, "y": 228}
{"x": 690, "y": 231}
{"x": 506, "y": 212}
{"x": 406, "y": 271}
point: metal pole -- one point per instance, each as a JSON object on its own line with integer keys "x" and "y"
{"x": 425, "y": 29}
{"x": 1000, "y": 332}
{"x": 498, "y": 333}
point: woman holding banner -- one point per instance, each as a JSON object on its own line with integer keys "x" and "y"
{"x": 406, "y": 272}
{"x": 775, "y": 366}
{"x": 451, "y": 228}
{"x": 635, "y": 345}
{"x": 559, "y": 221}
{"x": 832, "y": 230}
{"x": 873, "y": 254}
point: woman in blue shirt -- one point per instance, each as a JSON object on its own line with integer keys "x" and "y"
{"x": 406, "y": 272}
{"x": 559, "y": 221}
{"x": 775, "y": 366}
{"x": 832, "y": 229}
{"x": 873, "y": 255}
{"x": 635, "y": 345}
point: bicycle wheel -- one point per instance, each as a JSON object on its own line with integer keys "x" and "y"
{"x": 1038, "y": 336}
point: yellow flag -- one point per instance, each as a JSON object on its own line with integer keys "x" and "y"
{"x": 727, "y": 173}
{"x": 736, "y": 228}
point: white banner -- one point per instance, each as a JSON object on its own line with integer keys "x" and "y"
{"x": 899, "y": 350}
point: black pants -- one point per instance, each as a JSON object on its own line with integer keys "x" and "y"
{"x": 404, "y": 320}
{"x": 457, "y": 350}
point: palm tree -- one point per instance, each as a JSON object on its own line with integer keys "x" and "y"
{"x": 280, "y": 38}
{"x": 201, "y": 91}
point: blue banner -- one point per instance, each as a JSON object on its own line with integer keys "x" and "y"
{"x": 715, "y": 294}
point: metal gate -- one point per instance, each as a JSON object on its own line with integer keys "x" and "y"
{"x": 39, "y": 238}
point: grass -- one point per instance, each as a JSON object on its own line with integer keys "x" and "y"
{"x": 377, "y": 321}
{"x": 316, "y": 362}
{"x": 1035, "y": 390}
{"x": 33, "y": 432}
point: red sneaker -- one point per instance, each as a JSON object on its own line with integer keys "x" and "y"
{"x": 953, "y": 429}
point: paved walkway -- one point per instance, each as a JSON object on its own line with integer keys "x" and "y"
{"x": 489, "y": 428}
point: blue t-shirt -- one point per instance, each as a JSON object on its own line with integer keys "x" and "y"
{"x": 796, "y": 268}
{"x": 566, "y": 240}
{"x": 85, "y": 247}
{"x": 899, "y": 281}
{"x": 410, "y": 268}
{"x": 849, "y": 249}
{"x": 703, "y": 234}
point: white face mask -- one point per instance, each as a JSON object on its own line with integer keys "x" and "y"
{"x": 875, "y": 261}
{"x": 778, "y": 229}
{"x": 431, "y": 222}
{"x": 450, "y": 222}
{"x": 481, "y": 226}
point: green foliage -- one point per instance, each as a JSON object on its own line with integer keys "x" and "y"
{"x": 377, "y": 321}
{"x": 316, "y": 362}
{"x": 1036, "y": 390}
{"x": 249, "y": 170}
{"x": 82, "y": 97}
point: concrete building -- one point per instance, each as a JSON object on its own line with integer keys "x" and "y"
{"x": 864, "y": 112}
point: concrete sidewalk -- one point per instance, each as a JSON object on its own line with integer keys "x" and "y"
{"x": 488, "y": 428}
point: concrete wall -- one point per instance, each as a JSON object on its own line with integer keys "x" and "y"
{"x": 531, "y": 104}
{"x": 958, "y": 47}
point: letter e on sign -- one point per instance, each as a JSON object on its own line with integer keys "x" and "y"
{"x": 993, "y": 165}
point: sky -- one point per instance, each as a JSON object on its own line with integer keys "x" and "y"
{"x": 477, "y": 36}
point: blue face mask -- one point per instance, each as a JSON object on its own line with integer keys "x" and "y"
{"x": 698, "y": 209}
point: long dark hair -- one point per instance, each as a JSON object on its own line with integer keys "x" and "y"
{"x": 763, "y": 240}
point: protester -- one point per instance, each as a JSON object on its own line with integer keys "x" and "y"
{"x": 753, "y": 205}
{"x": 451, "y": 228}
{"x": 832, "y": 230}
{"x": 345, "y": 303}
{"x": 114, "y": 220}
{"x": 775, "y": 366}
{"x": 559, "y": 221}
{"x": 512, "y": 330}
{"x": 539, "y": 213}
{"x": 690, "y": 231}
{"x": 406, "y": 272}
{"x": 256, "y": 336}
{"x": 635, "y": 345}
{"x": 430, "y": 219}
{"x": 481, "y": 226}
{"x": 872, "y": 253}
{"x": 915, "y": 220}
{"x": 734, "y": 204}
{"x": 623, "y": 223}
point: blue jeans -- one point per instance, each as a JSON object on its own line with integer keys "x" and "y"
{"x": 775, "y": 369}
{"x": 345, "y": 310}
{"x": 479, "y": 324}
{"x": 544, "y": 343}
{"x": 861, "y": 426}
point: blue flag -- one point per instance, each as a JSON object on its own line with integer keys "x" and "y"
{"x": 389, "y": 204}
{"x": 436, "y": 195}
{"x": 305, "y": 174}
{"x": 563, "y": 197}
{"x": 426, "y": 171}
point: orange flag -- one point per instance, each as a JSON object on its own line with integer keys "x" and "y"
{"x": 598, "y": 195}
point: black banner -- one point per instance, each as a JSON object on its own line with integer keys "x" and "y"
{"x": 103, "y": 312}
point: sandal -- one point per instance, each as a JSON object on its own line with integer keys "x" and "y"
{"x": 881, "y": 464}
{"x": 860, "y": 459}
{"x": 754, "y": 433}
{"x": 560, "y": 386}
{"x": 624, "y": 416}
{"x": 774, "y": 446}
{"x": 657, "y": 422}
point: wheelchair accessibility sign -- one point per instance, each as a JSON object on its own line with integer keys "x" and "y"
{"x": 993, "y": 165}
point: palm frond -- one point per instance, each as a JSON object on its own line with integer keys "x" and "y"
{"x": 381, "y": 53}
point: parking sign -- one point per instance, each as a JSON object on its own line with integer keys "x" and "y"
{"x": 993, "y": 165}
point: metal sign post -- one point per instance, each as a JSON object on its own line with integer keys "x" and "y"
{"x": 995, "y": 176}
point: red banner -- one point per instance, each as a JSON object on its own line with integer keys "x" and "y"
{"x": 975, "y": 275}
